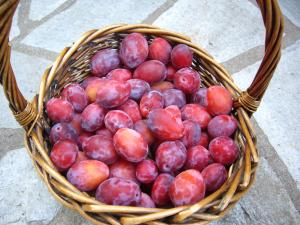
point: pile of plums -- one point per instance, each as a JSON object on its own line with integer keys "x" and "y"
{"x": 141, "y": 131}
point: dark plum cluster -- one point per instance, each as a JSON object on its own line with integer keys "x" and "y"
{"x": 141, "y": 130}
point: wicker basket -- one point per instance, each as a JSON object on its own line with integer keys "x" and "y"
{"x": 73, "y": 65}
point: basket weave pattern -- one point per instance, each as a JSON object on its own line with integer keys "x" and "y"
{"x": 73, "y": 65}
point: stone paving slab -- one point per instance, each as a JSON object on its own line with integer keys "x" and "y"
{"x": 23, "y": 196}
{"x": 225, "y": 28}
{"x": 28, "y": 71}
{"x": 15, "y": 31}
{"x": 10, "y": 139}
{"x": 291, "y": 9}
{"x": 39, "y": 10}
{"x": 85, "y": 15}
{"x": 274, "y": 198}
{"x": 266, "y": 203}
{"x": 6, "y": 118}
{"x": 278, "y": 114}
{"x": 68, "y": 217}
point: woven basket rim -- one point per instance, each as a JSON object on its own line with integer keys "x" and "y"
{"x": 49, "y": 77}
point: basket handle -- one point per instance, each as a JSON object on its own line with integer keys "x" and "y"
{"x": 25, "y": 113}
{"x": 274, "y": 24}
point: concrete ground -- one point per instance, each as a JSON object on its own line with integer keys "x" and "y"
{"x": 231, "y": 30}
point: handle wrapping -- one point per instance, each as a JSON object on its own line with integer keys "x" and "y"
{"x": 249, "y": 99}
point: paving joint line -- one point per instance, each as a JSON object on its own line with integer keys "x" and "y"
{"x": 277, "y": 165}
{"x": 247, "y": 215}
{"x": 35, "y": 51}
{"x": 159, "y": 11}
{"x": 285, "y": 18}
{"x": 253, "y": 55}
{"x": 26, "y": 26}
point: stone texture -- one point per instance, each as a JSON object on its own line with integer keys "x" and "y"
{"x": 15, "y": 31}
{"x": 6, "y": 118}
{"x": 267, "y": 151}
{"x": 85, "y": 15}
{"x": 28, "y": 71}
{"x": 24, "y": 197}
{"x": 40, "y": 9}
{"x": 68, "y": 217}
{"x": 235, "y": 216}
{"x": 291, "y": 9}
{"x": 224, "y": 28}
{"x": 278, "y": 114}
{"x": 267, "y": 202}
{"x": 274, "y": 198}
{"x": 10, "y": 139}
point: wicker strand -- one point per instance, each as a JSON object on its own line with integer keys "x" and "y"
{"x": 247, "y": 102}
{"x": 27, "y": 116}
